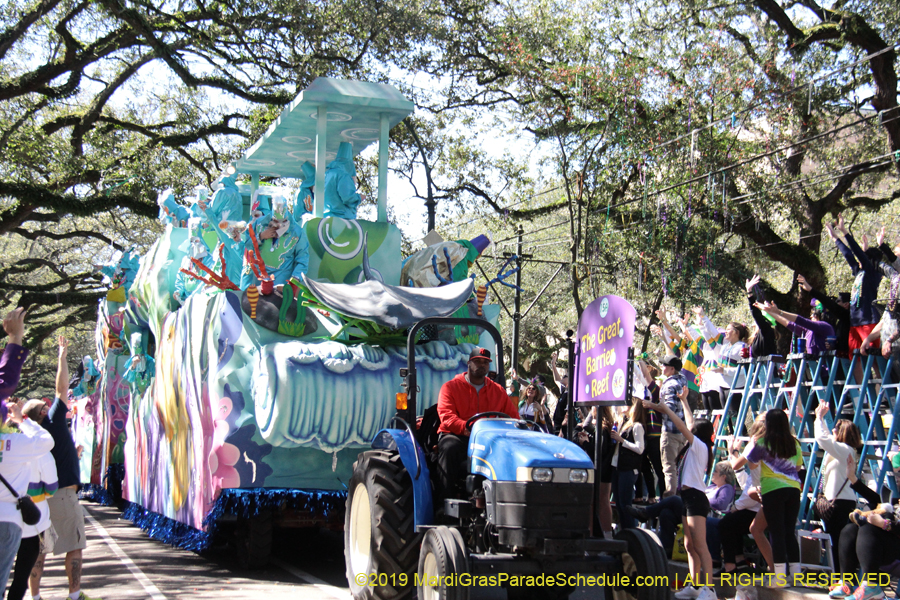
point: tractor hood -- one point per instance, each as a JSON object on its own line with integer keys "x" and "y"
{"x": 499, "y": 447}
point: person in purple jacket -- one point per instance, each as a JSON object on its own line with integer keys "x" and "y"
{"x": 13, "y": 357}
{"x": 814, "y": 330}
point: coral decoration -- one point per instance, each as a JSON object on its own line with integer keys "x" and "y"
{"x": 254, "y": 259}
{"x": 218, "y": 281}
{"x": 253, "y": 297}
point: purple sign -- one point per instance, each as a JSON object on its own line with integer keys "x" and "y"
{"x": 605, "y": 333}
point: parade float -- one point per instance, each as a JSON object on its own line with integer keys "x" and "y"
{"x": 250, "y": 354}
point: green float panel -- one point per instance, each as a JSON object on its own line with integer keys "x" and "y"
{"x": 336, "y": 250}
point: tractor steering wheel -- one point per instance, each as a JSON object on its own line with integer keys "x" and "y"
{"x": 490, "y": 413}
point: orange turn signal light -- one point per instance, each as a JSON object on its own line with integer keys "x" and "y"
{"x": 401, "y": 401}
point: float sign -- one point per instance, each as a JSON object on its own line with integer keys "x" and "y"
{"x": 605, "y": 333}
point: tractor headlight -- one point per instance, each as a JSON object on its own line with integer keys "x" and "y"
{"x": 542, "y": 475}
{"x": 578, "y": 476}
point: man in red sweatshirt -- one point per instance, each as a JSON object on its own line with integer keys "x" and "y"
{"x": 462, "y": 397}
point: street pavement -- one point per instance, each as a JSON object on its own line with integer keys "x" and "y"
{"x": 122, "y": 563}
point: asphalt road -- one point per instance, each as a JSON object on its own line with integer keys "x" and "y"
{"x": 121, "y": 563}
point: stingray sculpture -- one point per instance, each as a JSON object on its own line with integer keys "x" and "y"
{"x": 389, "y": 305}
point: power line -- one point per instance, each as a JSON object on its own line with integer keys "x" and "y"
{"x": 807, "y": 85}
{"x": 507, "y": 207}
{"x": 563, "y": 222}
{"x": 829, "y": 176}
{"x": 725, "y": 169}
{"x": 756, "y": 157}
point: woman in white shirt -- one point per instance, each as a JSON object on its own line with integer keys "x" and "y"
{"x": 36, "y": 539}
{"x": 842, "y": 441}
{"x": 627, "y": 458}
{"x": 532, "y": 407}
{"x": 729, "y": 350}
{"x": 697, "y": 462}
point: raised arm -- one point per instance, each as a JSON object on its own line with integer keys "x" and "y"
{"x": 679, "y": 424}
{"x": 707, "y": 328}
{"x": 14, "y": 354}
{"x": 557, "y": 372}
{"x": 830, "y": 305}
{"x": 844, "y": 250}
{"x": 859, "y": 253}
{"x": 823, "y": 436}
{"x": 688, "y": 413}
{"x": 673, "y": 335}
{"x": 782, "y": 317}
{"x": 749, "y": 285}
{"x": 765, "y": 329}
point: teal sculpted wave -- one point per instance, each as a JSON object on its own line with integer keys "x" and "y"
{"x": 330, "y": 396}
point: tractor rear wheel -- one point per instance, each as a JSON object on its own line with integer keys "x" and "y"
{"x": 380, "y": 542}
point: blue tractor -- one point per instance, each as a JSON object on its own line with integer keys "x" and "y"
{"x": 527, "y": 511}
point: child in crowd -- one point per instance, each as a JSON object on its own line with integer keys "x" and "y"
{"x": 696, "y": 462}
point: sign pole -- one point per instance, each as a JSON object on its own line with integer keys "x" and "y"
{"x": 570, "y": 406}
{"x": 517, "y": 315}
{"x": 629, "y": 376}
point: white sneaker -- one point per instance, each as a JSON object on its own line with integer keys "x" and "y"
{"x": 746, "y": 593}
{"x": 707, "y": 593}
{"x": 687, "y": 593}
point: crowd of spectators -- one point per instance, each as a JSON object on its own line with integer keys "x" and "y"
{"x": 38, "y": 461}
{"x": 655, "y": 456}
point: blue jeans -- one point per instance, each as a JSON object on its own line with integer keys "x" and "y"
{"x": 10, "y": 536}
{"x": 669, "y": 511}
{"x": 623, "y": 491}
{"x": 712, "y": 538}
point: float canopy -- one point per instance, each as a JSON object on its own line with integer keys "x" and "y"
{"x": 357, "y": 112}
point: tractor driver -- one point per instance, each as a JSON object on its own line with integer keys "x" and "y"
{"x": 461, "y": 398}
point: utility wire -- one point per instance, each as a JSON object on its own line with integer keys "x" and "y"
{"x": 505, "y": 208}
{"x": 781, "y": 95}
{"x": 707, "y": 210}
{"x": 756, "y": 157}
{"x": 563, "y": 222}
{"x": 723, "y": 170}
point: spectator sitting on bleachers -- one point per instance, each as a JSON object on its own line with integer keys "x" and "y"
{"x": 814, "y": 330}
{"x": 721, "y": 501}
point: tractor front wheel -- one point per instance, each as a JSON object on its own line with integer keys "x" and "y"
{"x": 645, "y": 557}
{"x": 442, "y": 560}
{"x": 380, "y": 542}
